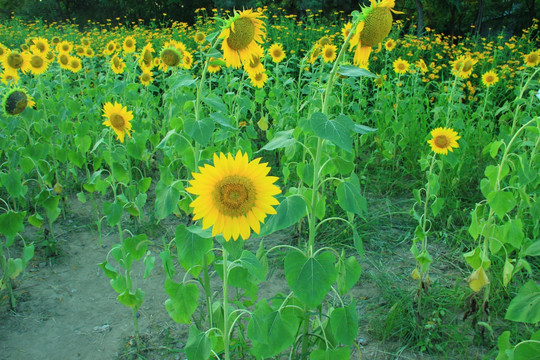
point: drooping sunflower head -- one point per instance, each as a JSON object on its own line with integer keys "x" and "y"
{"x": 146, "y": 59}
{"x": 490, "y": 78}
{"x": 234, "y": 195}
{"x": 444, "y": 140}
{"x": 325, "y": 40}
{"x": 242, "y": 36}
{"x": 532, "y": 59}
{"x": 187, "y": 60}
{"x": 277, "y": 53}
{"x": 15, "y": 101}
{"x": 118, "y": 119}
{"x": 214, "y": 65}
{"x": 129, "y": 44}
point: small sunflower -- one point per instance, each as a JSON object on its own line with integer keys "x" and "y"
{"x": 89, "y": 52}
{"x": 117, "y": 64}
{"x": 490, "y": 78}
{"x": 199, "y": 37}
{"x": 233, "y": 196}
{"x": 532, "y": 59}
{"x": 146, "y": 78}
{"x": 75, "y": 64}
{"x": 421, "y": 65}
{"x": 390, "y": 44}
{"x": 110, "y": 48}
{"x": 16, "y": 101}
{"x": 254, "y": 66}
{"x": 3, "y": 51}
{"x": 80, "y": 50}
{"x": 40, "y": 45}
{"x": 187, "y": 60}
{"x": 146, "y": 59}
{"x": 277, "y": 53}
{"x": 373, "y": 29}
{"x": 38, "y": 64}
{"x": 329, "y": 53}
{"x": 258, "y": 80}
{"x": 129, "y": 44}
{"x": 401, "y": 66}
{"x": 63, "y": 60}
{"x": 444, "y": 140}
{"x": 214, "y": 65}
{"x": 118, "y": 118}
{"x": 346, "y": 30}
{"x": 467, "y": 68}
{"x": 64, "y": 47}
{"x": 242, "y": 36}
{"x": 315, "y": 52}
{"x": 9, "y": 77}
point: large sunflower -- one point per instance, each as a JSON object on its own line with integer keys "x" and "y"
{"x": 118, "y": 118}
{"x": 444, "y": 140}
{"x": 234, "y": 195}
{"x": 15, "y": 60}
{"x": 38, "y": 64}
{"x": 373, "y": 29}
{"x": 117, "y": 64}
{"x": 16, "y": 101}
{"x": 241, "y": 38}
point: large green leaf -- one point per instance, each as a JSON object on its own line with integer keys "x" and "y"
{"x": 280, "y": 140}
{"x": 200, "y": 130}
{"x": 355, "y": 71}
{"x": 130, "y": 299}
{"x": 349, "y": 271}
{"x": 198, "y": 346}
{"x": 191, "y": 248}
{"x": 113, "y": 211}
{"x": 183, "y": 302}
{"x": 349, "y": 197}
{"x": 344, "y": 323}
{"x": 136, "y": 246}
{"x": 12, "y": 182}
{"x": 525, "y": 307}
{"x": 167, "y": 197}
{"x": 11, "y": 223}
{"x": 289, "y": 212}
{"x": 310, "y": 278}
{"x": 501, "y": 202}
{"x": 249, "y": 261}
{"x": 331, "y": 354}
{"x": 338, "y": 130}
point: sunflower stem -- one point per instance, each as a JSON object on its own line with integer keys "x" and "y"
{"x": 207, "y": 292}
{"x": 225, "y": 305}
{"x": 6, "y": 279}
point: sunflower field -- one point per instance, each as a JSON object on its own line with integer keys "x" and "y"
{"x": 263, "y": 186}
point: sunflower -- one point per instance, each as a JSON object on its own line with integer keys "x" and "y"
{"x": 233, "y": 196}
{"x": 146, "y": 78}
{"x": 64, "y": 60}
{"x": 187, "y": 60}
{"x": 315, "y": 52}
{"x": 242, "y": 36}
{"x": 254, "y": 66}
{"x": 9, "y": 77}
{"x": 75, "y": 64}
{"x": 277, "y": 53}
{"x": 390, "y": 44}
{"x": 15, "y": 60}
{"x": 214, "y": 65}
{"x": 346, "y": 30}
{"x": 490, "y": 78}
{"x": 329, "y": 53}
{"x": 129, "y": 44}
{"x": 3, "y": 51}
{"x": 118, "y": 118}
{"x": 199, "y": 37}
{"x": 258, "y": 80}
{"x": 401, "y": 66}
{"x": 421, "y": 65}
{"x": 379, "y": 80}
{"x": 89, "y": 52}
{"x": 80, "y": 50}
{"x": 64, "y": 47}
{"x": 170, "y": 57}
{"x": 16, "y": 101}
{"x": 40, "y": 45}
{"x": 146, "y": 59}
{"x": 532, "y": 59}
{"x": 373, "y": 29}
{"x": 85, "y": 42}
{"x": 178, "y": 45}
{"x": 444, "y": 140}
{"x": 117, "y": 64}
{"x": 38, "y": 64}
{"x": 467, "y": 68}
{"x": 110, "y": 48}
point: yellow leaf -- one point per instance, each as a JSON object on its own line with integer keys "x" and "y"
{"x": 478, "y": 279}
{"x": 263, "y": 123}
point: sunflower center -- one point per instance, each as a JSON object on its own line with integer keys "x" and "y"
{"x": 117, "y": 121}
{"x": 64, "y": 59}
{"x": 129, "y": 43}
{"x": 15, "y": 60}
{"x": 467, "y": 66}
{"x": 234, "y": 195}
{"x": 441, "y": 141}
{"x": 377, "y": 26}
{"x": 145, "y": 77}
{"x": 259, "y": 77}
{"x": 533, "y": 58}
{"x": 40, "y": 46}
{"x": 243, "y": 34}
{"x": 329, "y": 53}
{"x": 255, "y": 61}
{"x": 489, "y": 79}
{"x": 147, "y": 57}
{"x": 199, "y": 36}
{"x": 111, "y": 47}
{"x": 65, "y": 47}
{"x": 170, "y": 57}
{"x": 37, "y": 62}
{"x": 75, "y": 63}
{"x": 116, "y": 62}
{"x": 16, "y": 102}
{"x": 276, "y": 53}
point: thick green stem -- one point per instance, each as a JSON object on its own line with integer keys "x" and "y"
{"x": 207, "y": 293}
{"x": 225, "y": 305}
{"x": 6, "y": 278}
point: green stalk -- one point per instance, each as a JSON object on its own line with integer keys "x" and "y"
{"x": 225, "y": 306}
{"x": 6, "y": 278}
{"x": 207, "y": 293}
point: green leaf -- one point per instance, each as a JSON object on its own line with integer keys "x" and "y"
{"x": 11, "y": 223}
{"x": 132, "y": 300}
{"x": 200, "y": 130}
{"x": 183, "y": 302}
{"x": 362, "y": 129}
{"x": 437, "y": 205}
{"x": 113, "y": 211}
{"x": 527, "y": 350}
{"x": 349, "y": 197}
{"x": 166, "y": 199}
{"x": 501, "y": 202}
{"x": 13, "y": 183}
{"x": 81, "y": 197}
{"x": 338, "y": 130}
{"x": 305, "y": 173}
{"x": 349, "y": 271}
{"x": 121, "y": 174}
{"x": 354, "y": 71}
{"x": 215, "y": 102}
{"x": 533, "y": 249}
{"x": 288, "y": 213}
{"x": 252, "y": 265}
{"x": 168, "y": 266}
{"x": 525, "y": 307}
{"x": 191, "y": 249}
{"x": 331, "y": 354}
{"x": 310, "y": 278}
{"x": 280, "y": 140}
{"x": 344, "y": 323}
{"x": 503, "y": 343}
{"x": 198, "y": 346}
{"x": 136, "y": 246}
{"x": 144, "y": 184}
{"x": 109, "y": 271}
{"x": 28, "y": 254}
{"x": 222, "y": 120}
{"x": 149, "y": 263}
{"x": 118, "y": 284}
